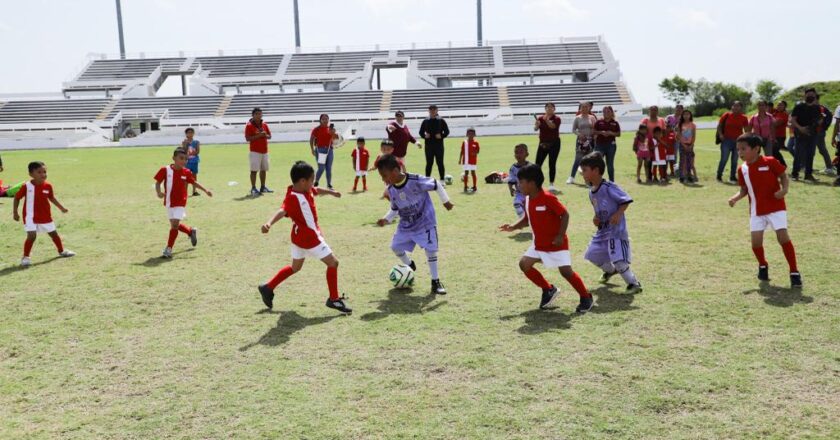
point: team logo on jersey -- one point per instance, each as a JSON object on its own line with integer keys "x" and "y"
{"x": 183, "y": 177}
{"x": 540, "y": 208}
{"x": 402, "y": 196}
{"x": 763, "y": 168}
{"x": 45, "y": 191}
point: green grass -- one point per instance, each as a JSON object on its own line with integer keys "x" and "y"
{"x": 116, "y": 343}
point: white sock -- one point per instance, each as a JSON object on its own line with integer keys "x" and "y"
{"x": 403, "y": 257}
{"x": 608, "y": 268}
{"x": 433, "y": 264}
{"x": 625, "y": 272}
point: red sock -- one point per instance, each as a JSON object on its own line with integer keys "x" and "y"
{"x": 355, "y": 183}
{"x": 27, "y": 247}
{"x": 57, "y": 240}
{"x": 790, "y": 256}
{"x": 173, "y": 234}
{"x": 332, "y": 282}
{"x": 473, "y": 176}
{"x": 281, "y": 275}
{"x": 537, "y": 278}
{"x": 577, "y": 282}
{"x": 364, "y": 183}
{"x": 759, "y": 255}
{"x": 185, "y": 229}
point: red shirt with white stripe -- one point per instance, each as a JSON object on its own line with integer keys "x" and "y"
{"x": 470, "y": 152}
{"x": 300, "y": 208}
{"x": 761, "y": 178}
{"x": 544, "y": 212}
{"x": 657, "y": 149}
{"x": 175, "y": 183}
{"x": 36, "y": 208}
{"x": 361, "y": 157}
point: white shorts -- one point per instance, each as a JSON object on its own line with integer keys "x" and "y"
{"x": 550, "y": 259}
{"x": 776, "y": 220}
{"x": 39, "y": 227}
{"x": 259, "y": 161}
{"x": 658, "y": 163}
{"x": 671, "y": 158}
{"x": 470, "y": 167}
{"x": 361, "y": 173}
{"x": 177, "y": 213}
{"x": 317, "y": 252}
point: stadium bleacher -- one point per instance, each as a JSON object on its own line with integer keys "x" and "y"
{"x": 311, "y": 104}
{"x": 65, "y": 110}
{"x": 235, "y": 66}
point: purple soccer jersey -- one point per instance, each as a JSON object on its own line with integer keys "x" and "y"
{"x": 606, "y": 200}
{"x": 412, "y": 201}
{"x": 518, "y": 197}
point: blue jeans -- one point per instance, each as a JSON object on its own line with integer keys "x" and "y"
{"x": 324, "y": 167}
{"x": 727, "y": 148}
{"x": 608, "y": 150}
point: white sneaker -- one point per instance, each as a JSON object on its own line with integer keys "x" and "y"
{"x": 552, "y": 187}
{"x": 570, "y": 180}
{"x": 25, "y": 262}
{"x": 67, "y": 253}
{"x": 829, "y": 171}
{"x": 167, "y": 252}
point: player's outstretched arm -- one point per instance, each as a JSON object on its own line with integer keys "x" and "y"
{"x": 507, "y": 227}
{"x": 57, "y": 204}
{"x": 274, "y": 219}
{"x": 206, "y": 191}
{"x": 388, "y": 218}
{"x": 741, "y": 194}
{"x": 327, "y": 191}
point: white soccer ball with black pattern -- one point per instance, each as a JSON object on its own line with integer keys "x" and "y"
{"x": 448, "y": 179}
{"x": 402, "y": 277}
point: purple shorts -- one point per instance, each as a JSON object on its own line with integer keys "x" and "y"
{"x": 608, "y": 251}
{"x": 405, "y": 241}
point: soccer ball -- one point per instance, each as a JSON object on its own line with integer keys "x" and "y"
{"x": 402, "y": 277}
{"x": 448, "y": 179}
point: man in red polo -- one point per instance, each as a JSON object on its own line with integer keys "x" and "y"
{"x": 731, "y": 126}
{"x": 258, "y": 134}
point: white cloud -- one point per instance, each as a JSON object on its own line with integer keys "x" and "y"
{"x": 694, "y": 18}
{"x": 555, "y": 9}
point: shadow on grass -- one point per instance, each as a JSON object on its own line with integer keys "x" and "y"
{"x": 17, "y": 268}
{"x": 815, "y": 182}
{"x": 287, "y": 324}
{"x": 521, "y": 237}
{"x": 780, "y": 296}
{"x": 608, "y": 301}
{"x": 157, "y": 261}
{"x": 692, "y": 185}
{"x": 245, "y": 198}
{"x": 400, "y": 301}
{"x": 540, "y": 321}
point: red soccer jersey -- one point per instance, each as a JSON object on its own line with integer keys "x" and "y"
{"x": 300, "y": 208}
{"x": 36, "y": 208}
{"x": 361, "y": 157}
{"x": 257, "y": 145}
{"x": 544, "y": 212}
{"x": 175, "y": 184}
{"x": 669, "y": 141}
{"x": 761, "y": 178}
{"x": 470, "y": 153}
{"x": 657, "y": 148}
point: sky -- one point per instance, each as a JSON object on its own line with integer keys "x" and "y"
{"x": 43, "y": 43}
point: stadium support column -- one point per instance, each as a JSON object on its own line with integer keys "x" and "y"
{"x": 479, "y": 37}
{"x": 120, "y": 30}
{"x": 297, "y": 27}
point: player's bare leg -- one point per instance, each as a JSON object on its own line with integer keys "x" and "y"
{"x": 65, "y": 253}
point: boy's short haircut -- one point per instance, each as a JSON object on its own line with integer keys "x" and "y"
{"x": 388, "y": 162}
{"x": 532, "y": 173}
{"x": 35, "y": 165}
{"x": 399, "y": 113}
{"x": 178, "y": 151}
{"x": 657, "y": 129}
{"x": 301, "y": 170}
{"x": 549, "y": 104}
{"x": 255, "y": 110}
{"x": 432, "y": 107}
{"x": 753, "y": 140}
{"x": 387, "y": 143}
{"x": 189, "y": 129}
{"x": 360, "y": 140}
{"x": 522, "y": 146}
{"x": 594, "y": 160}
{"x": 470, "y": 130}
{"x": 810, "y": 89}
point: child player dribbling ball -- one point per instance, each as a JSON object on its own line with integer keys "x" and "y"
{"x": 549, "y": 220}
{"x": 764, "y": 180}
{"x": 37, "y": 216}
{"x": 307, "y": 241}
{"x": 175, "y": 179}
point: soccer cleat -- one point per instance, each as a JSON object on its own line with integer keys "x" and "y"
{"x": 196, "y": 193}
{"x": 437, "y": 288}
{"x": 795, "y": 177}
{"x": 194, "y": 236}
{"x": 265, "y": 189}
{"x": 254, "y": 192}
{"x": 167, "y": 252}
{"x": 733, "y": 180}
{"x": 763, "y": 273}
{"x": 795, "y": 280}
{"x": 339, "y": 305}
{"x": 25, "y": 262}
{"x": 267, "y": 294}
{"x": 67, "y": 253}
{"x": 474, "y": 189}
{"x": 585, "y": 304}
{"x": 605, "y": 277}
{"x": 548, "y": 297}
{"x": 412, "y": 265}
{"x": 328, "y": 187}
{"x": 633, "y": 288}
{"x": 570, "y": 180}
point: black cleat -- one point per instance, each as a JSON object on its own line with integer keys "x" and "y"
{"x": 267, "y": 294}
{"x": 194, "y": 236}
{"x": 763, "y": 273}
{"x": 795, "y": 280}
{"x": 633, "y": 289}
{"x": 412, "y": 265}
{"x": 585, "y": 304}
{"x": 437, "y": 288}
{"x": 548, "y": 297}
{"x": 339, "y": 305}
{"x": 265, "y": 189}
{"x": 605, "y": 277}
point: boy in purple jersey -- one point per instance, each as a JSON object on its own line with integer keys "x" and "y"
{"x": 409, "y": 194}
{"x": 610, "y": 246}
{"x": 520, "y": 153}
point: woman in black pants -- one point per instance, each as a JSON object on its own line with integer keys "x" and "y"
{"x": 434, "y": 130}
{"x": 549, "y": 127}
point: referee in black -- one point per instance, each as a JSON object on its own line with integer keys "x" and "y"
{"x": 434, "y": 130}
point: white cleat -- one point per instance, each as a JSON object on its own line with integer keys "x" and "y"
{"x": 167, "y": 253}
{"x": 67, "y": 253}
{"x": 570, "y": 180}
{"x": 25, "y": 262}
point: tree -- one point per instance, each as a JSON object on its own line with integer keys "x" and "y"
{"x": 768, "y": 90}
{"x": 676, "y": 89}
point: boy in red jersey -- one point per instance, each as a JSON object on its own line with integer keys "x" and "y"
{"x": 361, "y": 157}
{"x": 36, "y": 211}
{"x": 175, "y": 179}
{"x": 670, "y": 141}
{"x": 469, "y": 158}
{"x": 658, "y": 155}
{"x": 307, "y": 241}
{"x": 763, "y": 179}
{"x": 549, "y": 220}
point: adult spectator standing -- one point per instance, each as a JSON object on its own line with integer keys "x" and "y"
{"x": 731, "y": 125}
{"x": 763, "y": 124}
{"x": 822, "y": 130}
{"x": 782, "y": 118}
{"x": 321, "y": 145}
{"x": 606, "y": 130}
{"x": 583, "y": 127}
{"x": 804, "y": 119}
{"x": 257, "y": 134}
{"x": 400, "y": 135}
{"x": 434, "y": 130}
{"x": 835, "y": 142}
{"x": 548, "y": 126}
{"x": 673, "y": 121}
{"x": 653, "y": 120}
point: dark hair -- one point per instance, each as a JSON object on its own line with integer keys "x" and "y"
{"x": 35, "y": 165}
{"x": 782, "y": 102}
{"x": 399, "y": 113}
{"x": 470, "y": 130}
{"x": 522, "y": 146}
{"x": 682, "y": 118}
{"x": 753, "y": 140}
{"x": 360, "y": 140}
{"x": 657, "y": 129}
{"x": 387, "y": 142}
{"x": 761, "y": 102}
{"x": 550, "y": 104}
{"x": 301, "y": 170}
{"x": 178, "y": 151}
{"x": 388, "y": 162}
{"x": 189, "y": 129}
{"x": 322, "y": 115}
{"x": 255, "y": 110}
{"x": 532, "y": 173}
{"x": 639, "y": 131}
{"x": 594, "y": 160}
{"x": 432, "y": 107}
{"x": 809, "y": 89}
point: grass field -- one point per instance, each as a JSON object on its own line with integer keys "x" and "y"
{"x": 117, "y": 343}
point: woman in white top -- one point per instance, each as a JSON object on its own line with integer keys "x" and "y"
{"x": 583, "y": 127}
